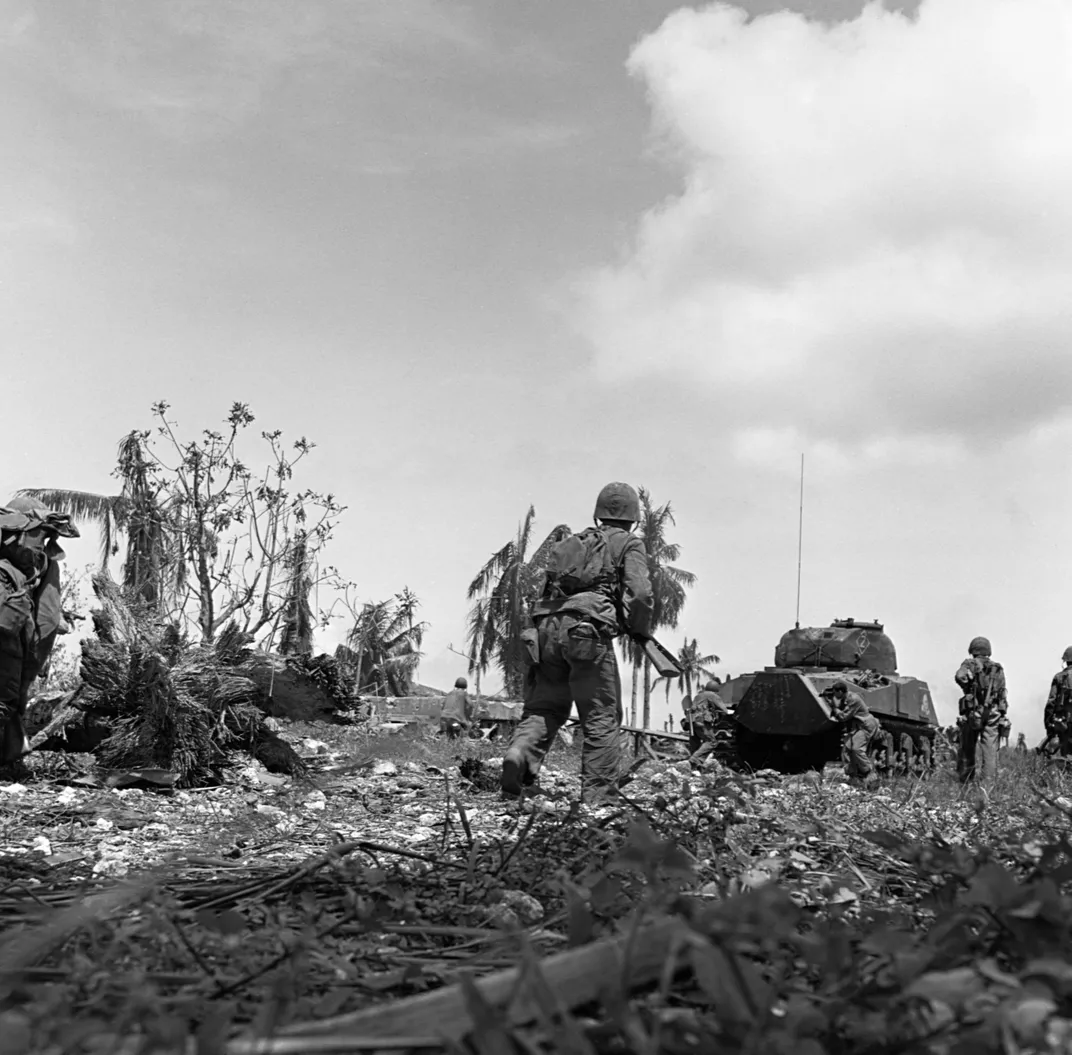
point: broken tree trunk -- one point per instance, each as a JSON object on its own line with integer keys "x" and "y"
{"x": 574, "y": 978}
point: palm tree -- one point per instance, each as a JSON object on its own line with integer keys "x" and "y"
{"x": 149, "y": 563}
{"x": 668, "y": 583}
{"x": 501, "y": 595}
{"x": 387, "y": 643}
{"x": 694, "y": 668}
{"x": 297, "y": 635}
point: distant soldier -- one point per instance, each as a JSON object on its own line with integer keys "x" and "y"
{"x": 31, "y": 616}
{"x": 705, "y": 710}
{"x": 596, "y": 588}
{"x": 670, "y": 724}
{"x": 1021, "y": 742}
{"x": 459, "y": 711}
{"x": 1058, "y": 713}
{"x": 862, "y": 731}
{"x": 1004, "y": 732}
{"x": 982, "y": 708}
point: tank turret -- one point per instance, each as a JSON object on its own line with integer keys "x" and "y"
{"x": 781, "y": 719}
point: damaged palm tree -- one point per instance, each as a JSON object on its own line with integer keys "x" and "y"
{"x": 168, "y": 705}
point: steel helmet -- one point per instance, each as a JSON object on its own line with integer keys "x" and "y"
{"x": 1066, "y": 656}
{"x": 461, "y": 683}
{"x": 713, "y": 685}
{"x": 980, "y": 646}
{"x": 618, "y": 501}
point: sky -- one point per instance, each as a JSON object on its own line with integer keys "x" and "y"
{"x": 493, "y": 254}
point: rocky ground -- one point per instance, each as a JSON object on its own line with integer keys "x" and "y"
{"x": 759, "y": 914}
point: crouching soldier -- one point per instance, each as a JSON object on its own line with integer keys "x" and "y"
{"x": 862, "y": 731}
{"x": 704, "y": 712}
{"x": 459, "y": 711}
{"x": 1058, "y": 713}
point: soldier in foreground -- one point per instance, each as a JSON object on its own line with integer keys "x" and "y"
{"x": 459, "y": 711}
{"x": 31, "y": 616}
{"x": 862, "y": 729}
{"x": 982, "y": 708}
{"x": 704, "y": 712}
{"x": 1058, "y": 714}
{"x": 596, "y": 588}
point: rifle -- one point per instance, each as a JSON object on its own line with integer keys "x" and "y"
{"x": 662, "y": 660}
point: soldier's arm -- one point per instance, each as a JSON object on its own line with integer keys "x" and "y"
{"x": 1001, "y": 692}
{"x": 965, "y": 674}
{"x": 636, "y": 589}
{"x": 1050, "y": 712}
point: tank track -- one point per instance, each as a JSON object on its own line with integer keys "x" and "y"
{"x": 896, "y": 754}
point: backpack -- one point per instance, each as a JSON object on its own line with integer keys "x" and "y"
{"x": 580, "y": 564}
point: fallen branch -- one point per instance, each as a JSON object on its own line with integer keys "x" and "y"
{"x": 575, "y": 977}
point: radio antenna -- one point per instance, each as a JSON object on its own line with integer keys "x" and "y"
{"x": 800, "y": 535}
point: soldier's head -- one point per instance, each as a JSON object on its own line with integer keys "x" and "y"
{"x": 713, "y": 684}
{"x": 1066, "y": 656}
{"x": 980, "y": 646}
{"x": 461, "y": 683}
{"x": 618, "y": 505}
{"x": 840, "y": 689}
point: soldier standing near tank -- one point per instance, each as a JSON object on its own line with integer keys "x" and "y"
{"x": 1058, "y": 713}
{"x": 458, "y": 712}
{"x": 571, "y": 648}
{"x": 862, "y": 729}
{"x": 704, "y": 712}
{"x": 982, "y": 709}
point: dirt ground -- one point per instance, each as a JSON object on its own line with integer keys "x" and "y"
{"x": 146, "y": 919}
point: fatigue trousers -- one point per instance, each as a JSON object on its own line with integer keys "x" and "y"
{"x": 977, "y": 758}
{"x": 576, "y": 666}
{"x": 453, "y": 727}
{"x": 858, "y": 750}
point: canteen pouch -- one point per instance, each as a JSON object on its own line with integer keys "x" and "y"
{"x": 584, "y": 643}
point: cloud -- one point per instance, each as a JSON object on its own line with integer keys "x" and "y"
{"x": 873, "y": 239}
{"x": 197, "y": 68}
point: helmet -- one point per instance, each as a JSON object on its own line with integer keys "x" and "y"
{"x": 1066, "y": 656}
{"x": 713, "y": 685}
{"x": 461, "y": 683}
{"x": 618, "y": 501}
{"x": 980, "y": 646}
{"x": 25, "y": 504}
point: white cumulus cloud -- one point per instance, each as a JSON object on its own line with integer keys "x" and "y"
{"x": 874, "y": 233}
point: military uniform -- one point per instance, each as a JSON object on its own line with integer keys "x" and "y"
{"x": 458, "y": 712}
{"x": 704, "y": 711}
{"x": 31, "y": 616}
{"x": 1058, "y": 713}
{"x": 573, "y": 645}
{"x": 982, "y": 709}
{"x": 862, "y": 729}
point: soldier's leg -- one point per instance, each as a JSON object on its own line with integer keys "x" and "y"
{"x": 13, "y": 685}
{"x": 986, "y": 751}
{"x": 859, "y": 761}
{"x": 547, "y": 706}
{"x": 966, "y": 753}
{"x": 597, "y": 690}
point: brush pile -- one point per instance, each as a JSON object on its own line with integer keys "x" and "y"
{"x": 151, "y": 700}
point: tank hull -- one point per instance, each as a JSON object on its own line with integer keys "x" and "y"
{"x": 782, "y": 721}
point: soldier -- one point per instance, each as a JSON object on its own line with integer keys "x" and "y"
{"x": 596, "y": 588}
{"x": 459, "y": 710}
{"x": 1058, "y": 713}
{"x": 861, "y": 731}
{"x": 704, "y": 712}
{"x": 1021, "y": 743}
{"x": 31, "y": 616}
{"x": 982, "y": 708}
{"x": 1004, "y": 732}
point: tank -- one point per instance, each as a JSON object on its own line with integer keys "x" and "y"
{"x": 781, "y": 720}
